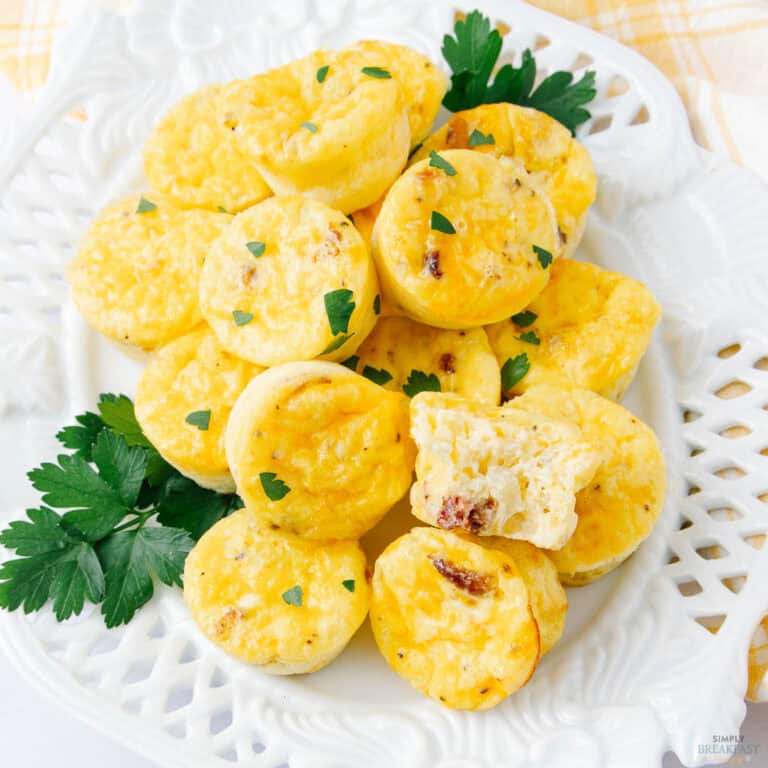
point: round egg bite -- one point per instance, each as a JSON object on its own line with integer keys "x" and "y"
{"x": 135, "y": 275}
{"x": 543, "y": 145}
{"x": 400, "y": 351}
{"x": 191, "y": 156}
{"x": 424, "y": 85}
{"x": 319, "y": 451}
{"x": 337, "y": 135}
{"x": 619, "y": 507}
{"x": 457, "y": 246}
{"x": 289, "y": 279}
{"x": 453, "y": 618}
{"x": 588, "y": 329}
{"x": 285, "y": 604}
{"x": 183, "y": 401}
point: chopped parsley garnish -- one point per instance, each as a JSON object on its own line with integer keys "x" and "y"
{"x": 439, "y": 223}
{"x": 529, "y": 337}
{"x": 322, "y": 73}
{"x": 311, "y": 127}
{"x": 339, "y": 308}
{"x": 377, "y": 375}
{"x": 339, "y": 341}
{"x": 478, "y": 138}
{"x": 418, "y": 381}
{"x": 199, "y": 419}
{"x": 273, "y": 486}
{"x": 294, "y": 596}
{"x": 377, "y": 304}
{"x": 378, "y": 72}
{"x": 222, "y": 209}
{"x": 349, "y": 585}
{"x": 241, "y": 318}
{"x": 436, "y": 161}
{"x": 524, "y": 319}
{"x": 544, "y": 256}
{"x": 351, "y": 362}
{"x": 145, "y": 206}
{"x": 256, "y": 247}
{"x": 513, "y": 371}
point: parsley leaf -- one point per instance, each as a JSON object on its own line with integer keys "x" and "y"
{"x": 377, "y": 375}
{"x": 418, "y": 381}
{"x": 41, "y": 533}
{"x": 199, "y": 419}
{"x": 378, "y": 72}
{"x": 339, "y": 308}
{"x": 478, "y": 138}
{"x": 241, "y": 318}
{"x": 81, "y": 436}
{"x": 26, "y": 583}
{"x": 273, "y": 486}
{"x": 339, "y": 341}
{"x": 543, "y": 255}
{"x": 351, "y": 362}
{"x": 120, "y": 465}
{"x": 513, "y": 371}
{"x": 256, "y": 247}
{"x": 436, "y": 161}
{"x": 294, "y": 596}
{"x": 118, "y": 414}
{"x": 440, "y": 223}
{"x": 322, "y": 73}
{"x": 145, "y": 206}
{"x": 311, "y": 127}
{"x": 377, "y": 304}
{"x": 77, "y": 577}
{"x": 524, "y": 319}
{"x": 529, "y": 337}
{"x": 349, "y": 585}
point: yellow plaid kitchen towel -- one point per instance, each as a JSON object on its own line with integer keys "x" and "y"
{"x": 714, "y": 51}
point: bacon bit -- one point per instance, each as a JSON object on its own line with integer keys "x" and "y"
{"x": 474, "y": 583}
{"x": 446, "y": 363}
{"x": 457, "y": 512}
{"x": 248, "y": 276}
{"x": 457, "y": 135}
{"x": 226, "y": 623}
{"x": 432, "y": 264}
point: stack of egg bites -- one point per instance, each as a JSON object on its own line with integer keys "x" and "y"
{"x": 332, "y": 298}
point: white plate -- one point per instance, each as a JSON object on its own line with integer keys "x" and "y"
{"x": 637, "y": 673}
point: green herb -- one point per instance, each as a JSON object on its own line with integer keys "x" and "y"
{"x": 199, "y": 419}
{"x": 377, "y": 72}
{"x": 514, "y": 370}
{"x": 241, "y": 318}
{"x": 256, "y": 247}
{"x": 377, "y": 304}
{"x": 351, "y": 362}
{"x": 339, "y": 341}
{"x": 339, "y": 307}
{"x": 145, "y": 206}
{"x": 222, "y": 209}
{"x": 478, "y": 138}
{"x": 544, "y": 256}
{"x": 311, "y": 127}
{"x": 273, "y": 486}
{"x": 322, "y": 73}
{"x": 472, "y": 55}
{"x": 524, "y": 319}
{"x": 418, "y": 381}
{"x": 529, "y": 337}
{"x": 349, "y": 585}
{"x": 377, "y": 375}
{"x": 294, "y": 596}
{"x": 440, "y": 162}
{"x": 415, "y": 149}
{"x": 99, "y": 548}
{"x": 439, "y": 223}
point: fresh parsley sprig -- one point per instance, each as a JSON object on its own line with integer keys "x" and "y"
{"x": 472, "y": 55}
{"x": 99, "y": 547}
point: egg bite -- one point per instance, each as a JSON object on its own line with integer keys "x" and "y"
{"x": 453, "y": 618}
{"x": 183, "y": 401}
{"x": 455, "y": 361}
{"x": 497, "y": 472}
{"x": 285, "y": 604}
{"x": 324, "y": 128}
{"x": 135, "y": 274}
{"x": 289, "y": 279}
{"x": 617, "y": 510}
{"x": 547, "y": 597}
{"x": 191, "y": 155}
{"x": 319, "y": 451}
{"x": 456, "y": 246}
{"x": 424, "y": 85}
{"x": 587, "y": 329}
{"x": 544, "y": 146}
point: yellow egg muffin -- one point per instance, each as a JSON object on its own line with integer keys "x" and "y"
{"x": 549, "y": 602}
{"x": 269, "y": 598}
{"x": 191, "y": 156}
{"x": 588, "y": 329}
{"x": 424, "y": 85}
{"x": 339, "y": 135}
{"x": 458, "y": 245}
{"x": 497, "y": 472}
{"x": 318, "y": 450}
{"x": 183, "y": 401}
{"x": 135, "y": 275}
{"x": 619, "y": 507}
{"x": 453, "y": 619}
{"x": 289, "y": 279}
{"x": 399, "y": 350}
{"x": 543, "y": 145}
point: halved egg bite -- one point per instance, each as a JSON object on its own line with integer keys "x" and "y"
{"x": 464, "y": 241}
{"x": 619, "y": 507}
{"x": 289, "y": 279}
{"x": 497, "y": 472}
{"x": 319, "y": 451}
{"x": 543, "y": 145}
{"x": 192, "y": 157}
{"x": 183, "y": 401}
{"x": 452, "y": 618}
{"x": 588, "y": 329}
{"x": 323, "y": 126}
{"x": 135, "y": 275}
{"x": 399, "y": 350}
{"x": 285, "y": 604}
